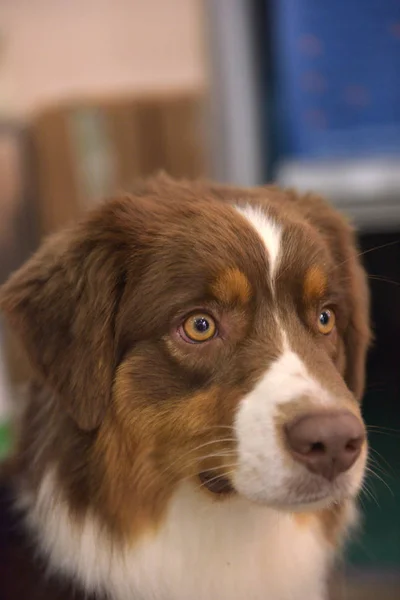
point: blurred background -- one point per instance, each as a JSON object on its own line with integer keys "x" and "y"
{"x": 94, "y": 93}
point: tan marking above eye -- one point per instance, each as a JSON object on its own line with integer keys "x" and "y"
{"x": 199, "y": 327}
{"x": 314, "y": 284}
{"x": 232, "y": 286}
{"x": 326, "y": 321}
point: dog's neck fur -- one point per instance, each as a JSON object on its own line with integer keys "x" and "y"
{"x": 204, "y": 549}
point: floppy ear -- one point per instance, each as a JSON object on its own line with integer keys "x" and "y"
{"x": 358, "y": 335}
{"x": 62, "y": 304}
{"x": 341, "y": 239}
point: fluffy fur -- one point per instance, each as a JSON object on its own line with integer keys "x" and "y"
{"x": 130, "y": 428}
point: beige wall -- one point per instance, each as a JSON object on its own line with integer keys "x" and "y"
{"x": 51, "y": 49}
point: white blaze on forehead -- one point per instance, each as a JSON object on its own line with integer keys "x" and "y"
{"x": 269, "y": 231}
{"x": 264, "y": 471}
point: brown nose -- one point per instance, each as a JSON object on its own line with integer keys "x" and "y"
{"x": 326, "y": 443}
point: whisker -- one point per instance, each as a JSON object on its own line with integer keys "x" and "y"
{"x": 368, "y": 487}
{"x": 360, "y": 499}
{"x": 382, "y": 428}
{"x": 383, "y": 279}
{"x": 375, "y": 474}
{"x": 188, "y": 463}
{"x": 376, "y": 470}
{"x": 391, "y": 471}
{"x": 213, "y": 427}
{"x": 199, "y": 459}
{"x": 190, "y": 476}
{"x": 228, "y": 473}
{"x": 380, "y": 247}
{"x": 216, "y": 455}
{"x": 216, "y": 441}
{"x": 235, "y": 464}
{"x": 199, "y": 447}
{"x": 369, "y": 494}
{"x": 389, "y": 433}
{"x": 375, "y": 465}
{"x": 377, "y": 385}
{"x": 288, "y": 266}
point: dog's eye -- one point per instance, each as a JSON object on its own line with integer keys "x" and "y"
{"x": 326, "y": 321}
{"x": 199, "y": 327}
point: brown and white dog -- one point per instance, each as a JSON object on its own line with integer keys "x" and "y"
{"x": 193, "y": 430}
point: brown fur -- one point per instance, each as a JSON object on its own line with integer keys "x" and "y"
{"x": 232, "y": 286}
{"x": 125, "y": 409}
{"x": 314, "y": 284}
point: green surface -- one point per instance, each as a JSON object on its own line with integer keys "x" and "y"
{"x": 378, "y": 543}
{"x": 5, "y": 440}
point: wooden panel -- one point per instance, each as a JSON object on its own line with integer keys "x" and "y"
{"x": 123, "y": 130}
{"x": 57, "y": 200}
{"x": 17, "y": 223}
{"x": 133, "y": 138}
{"x": 182, "y": 136}
{"x": 150, "y": 139}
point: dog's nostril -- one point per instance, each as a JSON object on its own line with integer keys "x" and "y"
{"x": 353, "y": 445}
{"x": 327, "y": 443}
{"x": 317, "y": 448}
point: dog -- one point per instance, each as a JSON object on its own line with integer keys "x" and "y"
{"x": 193, "y": 427}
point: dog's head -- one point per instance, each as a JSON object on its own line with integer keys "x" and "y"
{"x": 201, "y": 333}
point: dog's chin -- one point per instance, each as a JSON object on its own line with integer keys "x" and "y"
{"x": 221, "y": 487}
{"x": 315, "y": 497}
{"x": 293, "y": 498}
{"x": 312, "y": 504}
{"x": 300, "y": 504}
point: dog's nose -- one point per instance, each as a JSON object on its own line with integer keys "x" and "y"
{"x": 327, "y": 443}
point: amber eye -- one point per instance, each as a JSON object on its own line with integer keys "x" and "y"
{"x": 326, "y": 321}
{"x": 199, "y": 327}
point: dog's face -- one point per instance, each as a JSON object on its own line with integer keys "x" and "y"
{"x": 207, "y": 335}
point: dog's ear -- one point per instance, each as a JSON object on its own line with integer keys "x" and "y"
{"x": 358, "y": 334}
{"x": 62, "y": 305}
{"x": 342, "y": 242}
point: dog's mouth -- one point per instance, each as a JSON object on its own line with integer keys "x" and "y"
{"x": 216, "y": 484}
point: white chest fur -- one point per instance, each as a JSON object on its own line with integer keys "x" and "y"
{"x": 205, "y": 550}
